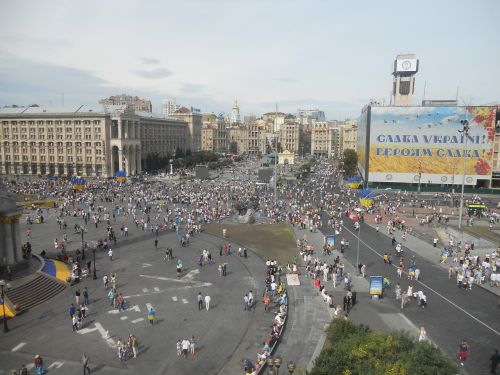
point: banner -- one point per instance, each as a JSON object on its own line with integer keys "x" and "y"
{"x": 427, "y": 144}
{"x": 376, "y": 285}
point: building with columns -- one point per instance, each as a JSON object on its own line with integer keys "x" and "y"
{"x": 83, "y": 140}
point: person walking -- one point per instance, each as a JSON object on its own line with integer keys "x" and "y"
{"x": 105, "y": 281}
{"x": 192, "y": 344}
{"x": 200, "y": 301}
{"x": 422, "y": 334}
{"x": 151, "y": 315}
{"x": 77, "y": 297}
{"x": 110, "y": 254}
{"x": 156, "y": 243}
{"x": 85, "y": 364}
{"x": 495, "y": 360}
{"x": 86, "y": 299}
{"x": 132, "y": 342}
{"x": 207, "y": 302}
{"x": 463, "y": 349}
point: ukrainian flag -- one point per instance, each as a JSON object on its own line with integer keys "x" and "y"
{"x": 8, "y": 312}
{"x": 120, "y": 176}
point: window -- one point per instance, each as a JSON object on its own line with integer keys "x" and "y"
{"x": 88, "y": 159}
{"x": 33, "y": 157}
{"x": 51, "y": 158}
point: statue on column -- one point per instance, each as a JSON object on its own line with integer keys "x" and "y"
{"x": 10, "y": 236}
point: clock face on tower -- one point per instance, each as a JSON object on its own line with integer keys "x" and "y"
{"x": 406, "y": 65}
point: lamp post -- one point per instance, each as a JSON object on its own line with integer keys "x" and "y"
{"x": 171, "y": 167}
{"x": 419, "y": 174}
{"x": 82, "y": 231}
{"x": 276, "y": 166}
{"x": 357, "y": 247}
{"x": 3, "y": 285}
{"x": 94, "y": 247}
{"x": 465, "y": 133}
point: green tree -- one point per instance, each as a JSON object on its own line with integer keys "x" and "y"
{"x": 349, "y": 162}
{"x": 356, "y": 350}
{"x": 233, "y": 148}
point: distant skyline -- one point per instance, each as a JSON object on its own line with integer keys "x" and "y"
{"x": 325, "y": 54}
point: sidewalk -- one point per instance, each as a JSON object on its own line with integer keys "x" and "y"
{"x": 311, "y": 316}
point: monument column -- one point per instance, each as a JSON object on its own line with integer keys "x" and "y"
{"x": 10, "y": 236}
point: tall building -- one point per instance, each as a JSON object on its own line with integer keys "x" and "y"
{"x": 84, "y": 140}
{"x": 235, "y": 113}
{"x": 307, "y": 117}
{"x": 403, "y": 84}
{"x": 140, "y": 105}
{"x": 169, "y": 106}
{"x": 321, "y": 139}
{"x": 194, "y": 121}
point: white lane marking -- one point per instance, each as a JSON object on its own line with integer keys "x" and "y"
{"x": 194, "y": 284}
{"x": 191, "y": 274}
{"x": 149, "y": 306}
{"x": 174, "y": 298}
{"x": 18, "y": 346}
{"x": 115, "y": 311}
{"x": 145, "y": 290}
{"x": 145, "y": 265}
{"x": 185, "y": 301}
{"x": 124, "y": 318}
{"x": 432, "y": 290}
{"x": 99, "y": 328}
{"x": 56, "y": 364}
{"x": 137, "y": 320}
{"x": 156, "y": 289}
{"x": 134, "y": 308}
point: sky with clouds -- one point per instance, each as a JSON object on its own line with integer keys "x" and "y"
{"x": 327, "y": 54}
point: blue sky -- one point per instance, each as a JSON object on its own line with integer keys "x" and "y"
{"x": 333, "y": 55}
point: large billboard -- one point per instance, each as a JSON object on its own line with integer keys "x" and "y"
{"x": 408, "y": 144}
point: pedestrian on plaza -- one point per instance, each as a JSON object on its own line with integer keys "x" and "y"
{"x": 185, "y": 347}
{"x": 495, "y": 360}
{"x": 386, "y": 258}
{"x": 105, "y": 282}
{"x": 390, "y": 259}
{"x": 200, "y": 301}
{"x": 250, "y": 299}
{"x": 463, "y": 349}
{"x": 266, "y": 301}
{"x": 113, "y": 280}
{"x": 77, "y": 297}
{"x": 192, "y": 344}
{"x": 85, "y": 364}
{"x": 86, "y": 299}
{"x": 178, "y": 347}
{"x": 74, "y": 323}
{"x": 245, "y": 302}
{"x": 40, "y": 369}
{"x": 72, "y": 310}
{"x": 132, "y": 343}
{"x": 156, "y": 243}
{"x": 110, "y": 254}
{"x": 207, "y": 302}
{"x": 363, "y": 270}
{"x": 359, "y": 268}
{"x": 151, "y": 315}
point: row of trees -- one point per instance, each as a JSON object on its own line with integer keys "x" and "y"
{"x": 356, "y": 350}
{"x": 349, "y": 162}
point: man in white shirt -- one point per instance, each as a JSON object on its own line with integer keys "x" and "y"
{"x": 185, "y": 347}
{"x": 207, "y": 302}
{"x": 110, "y": 254}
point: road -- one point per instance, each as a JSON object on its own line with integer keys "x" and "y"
{"x": 451, "y": 314}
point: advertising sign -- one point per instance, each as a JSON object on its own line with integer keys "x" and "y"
{"x": 376, "y": 284}
{"x": 408, "y": 144}
{"x": 330, "y": 240}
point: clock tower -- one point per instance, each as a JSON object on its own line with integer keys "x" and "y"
{"x": 403, "y": 83}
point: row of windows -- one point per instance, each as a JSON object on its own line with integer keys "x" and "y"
{"x": 50, "y": 136}
{"x": 53, "y": 122}
{"x": 50, "y": 130}
{"x": 60, "y": 158}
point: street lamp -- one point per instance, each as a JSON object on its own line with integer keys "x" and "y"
{"x": 94, "y": 247}
{"x": 291, "y": 367}
{"x": 171, "y": 166}
{"x": 82, "y": 231}
{"x": 419, "y": 174}
{"x": 2, "y": 285}
{"x": 359, "y": 234}
{"x": 465, "y": 133}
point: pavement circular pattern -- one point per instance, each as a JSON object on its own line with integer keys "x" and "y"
{"x": 146, "y": 279}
